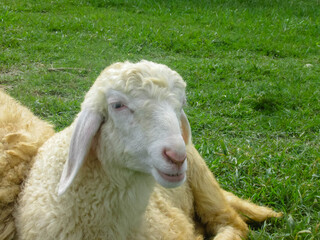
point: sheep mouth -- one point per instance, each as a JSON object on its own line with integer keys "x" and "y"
{"x": 172, "y": 177}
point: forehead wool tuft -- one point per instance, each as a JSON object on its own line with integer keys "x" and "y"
{"x": 147, "y": 73}
{"x": 142, "y": 78}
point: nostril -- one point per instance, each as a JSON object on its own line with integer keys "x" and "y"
{"x": 174, "y": 157}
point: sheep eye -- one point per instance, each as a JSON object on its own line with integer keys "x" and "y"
{"x": 117, "y": 105}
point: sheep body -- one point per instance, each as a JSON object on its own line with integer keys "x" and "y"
{"x": 21, "y": 134}
{"x": 99, "y": 202}
{"x": 99, "y": 210}
{"x": 111, "y": 192}
{"x": 200, "y": 208}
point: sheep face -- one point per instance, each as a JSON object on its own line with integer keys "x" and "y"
{"x": 137, "y": 111}
{"x": 144, "y": 132}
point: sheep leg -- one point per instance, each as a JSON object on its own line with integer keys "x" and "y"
{"x": 249, "y": 211}
{"x": 211, "y": 206}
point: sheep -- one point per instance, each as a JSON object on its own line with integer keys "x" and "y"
{"x": 218, "y": 213}
{"x": 126, "y": 169}
{"x": 21, "y": 134}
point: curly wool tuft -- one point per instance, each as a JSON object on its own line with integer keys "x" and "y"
{"x": 21, "y": 134}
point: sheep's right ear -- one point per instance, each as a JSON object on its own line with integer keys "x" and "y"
{"x": 185, "y": 127}
{"x": 88, "y": 124}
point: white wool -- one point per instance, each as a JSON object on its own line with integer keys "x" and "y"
{"x": 104, "y": 176}
{"x": 120, "y": 151}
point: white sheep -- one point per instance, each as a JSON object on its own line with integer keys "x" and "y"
{"x": 21, "y": 134}
{"x": 94, "y": 179}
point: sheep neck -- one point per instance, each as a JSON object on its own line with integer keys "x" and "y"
{"x": 123, "y": 196}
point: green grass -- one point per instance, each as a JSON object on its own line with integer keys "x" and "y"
{"x": 253, "y": 74}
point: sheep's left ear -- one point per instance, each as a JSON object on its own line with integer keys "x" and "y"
{"x": 186, "y": 129}
{"x": 87, "y": 125}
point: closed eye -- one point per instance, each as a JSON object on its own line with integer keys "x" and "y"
{"x": 118, "y": 105}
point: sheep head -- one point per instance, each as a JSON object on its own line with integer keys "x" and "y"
{"x": 136, "y": 110}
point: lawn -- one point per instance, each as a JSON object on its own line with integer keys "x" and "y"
{"x": 252, "y": 69}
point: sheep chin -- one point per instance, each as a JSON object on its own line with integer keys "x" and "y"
{"x": 167, "y": 181}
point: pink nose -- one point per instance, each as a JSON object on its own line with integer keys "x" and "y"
{"x": 175, "y": 157}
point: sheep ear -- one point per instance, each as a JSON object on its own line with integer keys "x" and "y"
{"x": 185, "y": 127}
{"x": 88, "y": 124}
